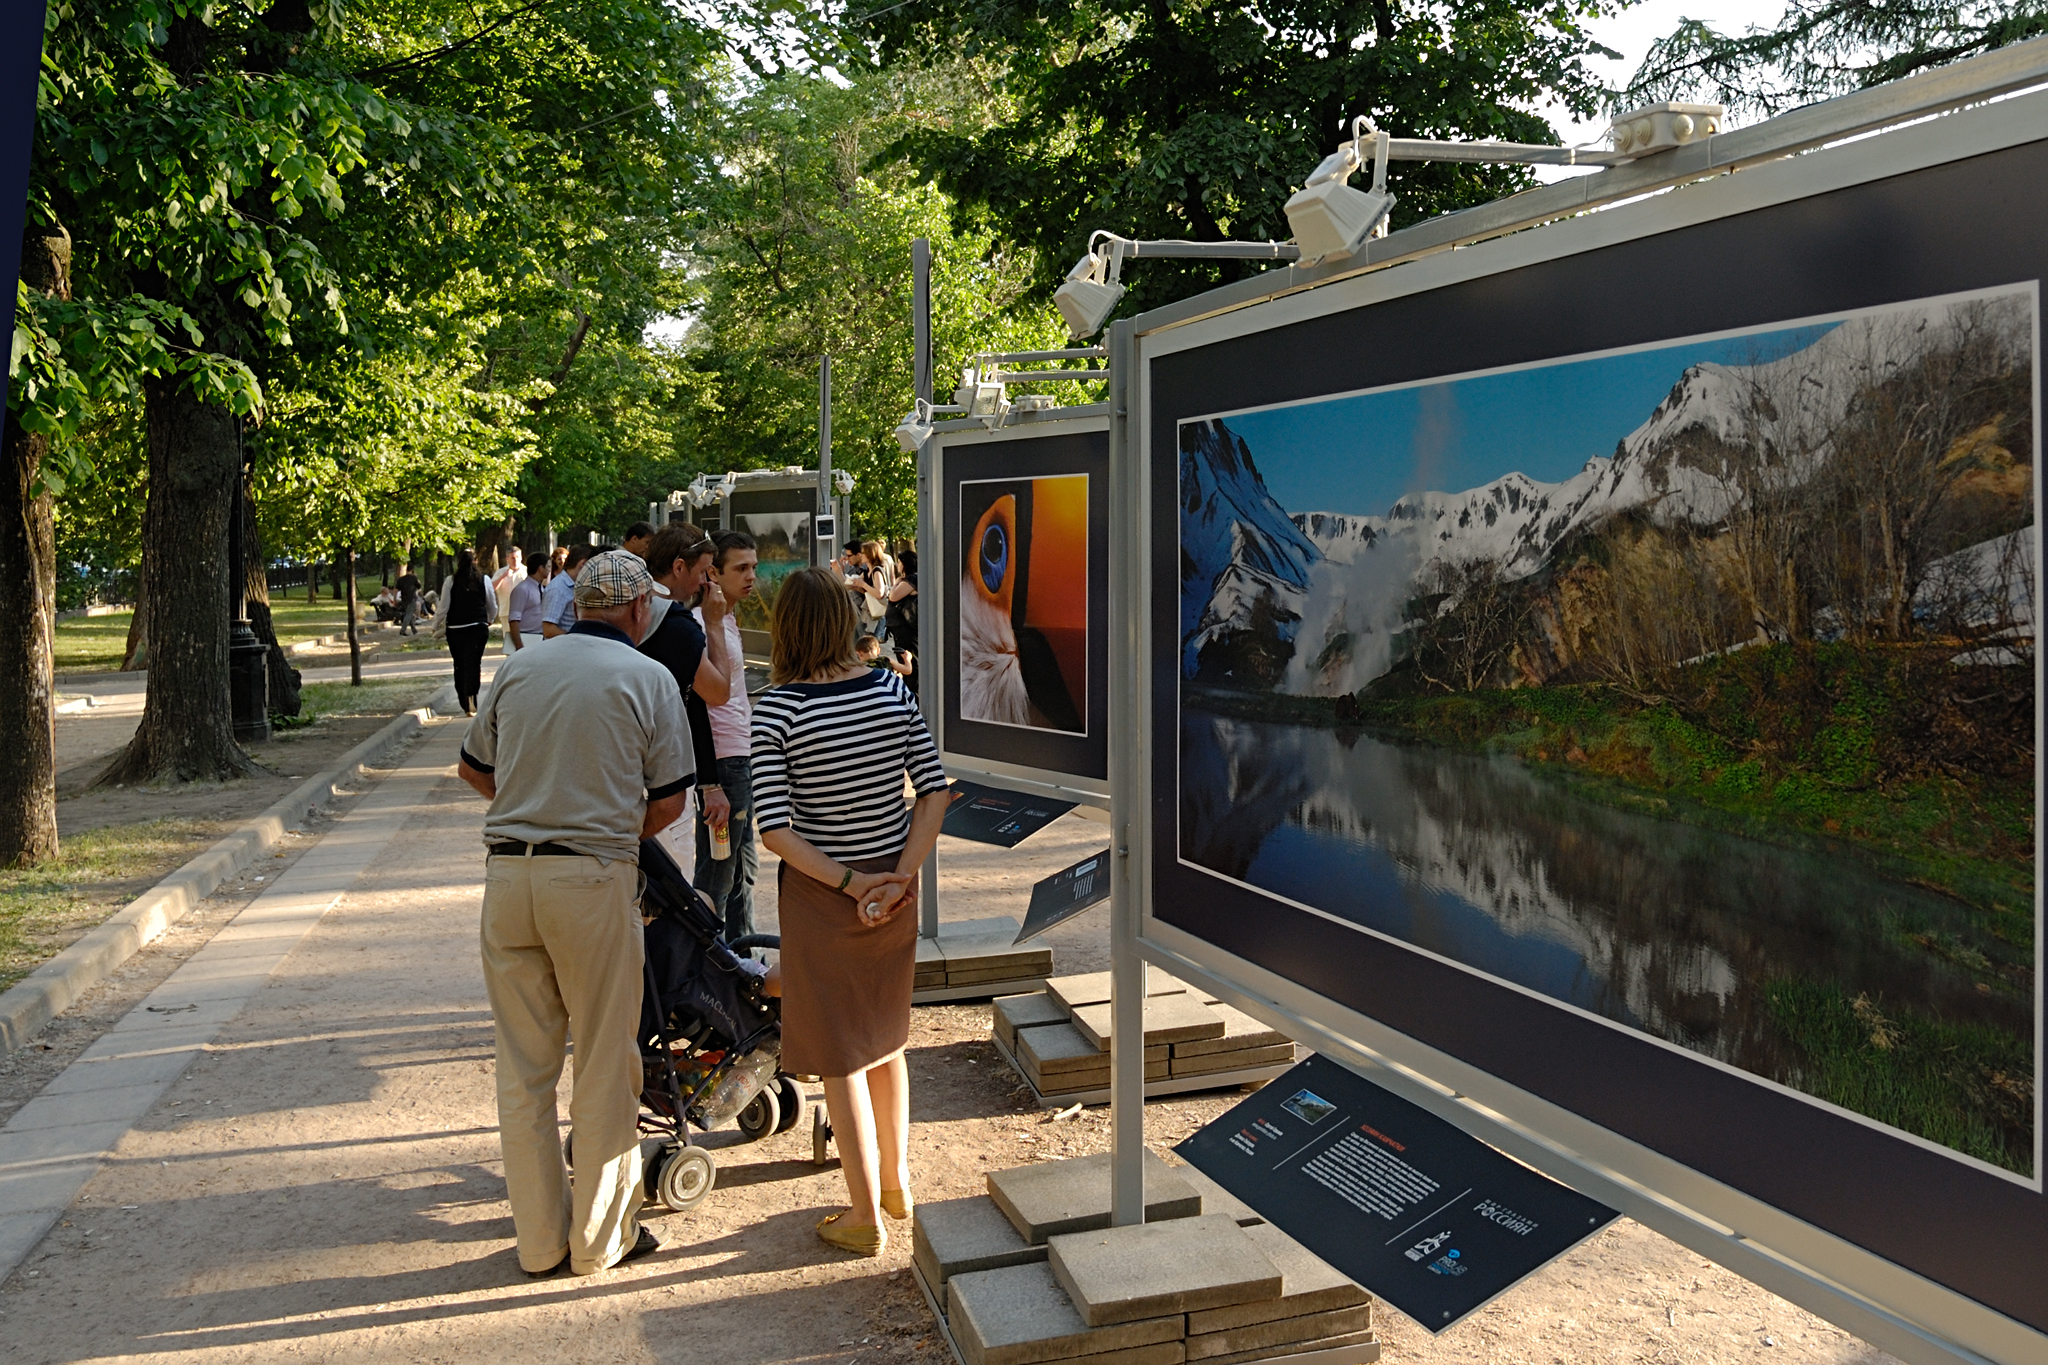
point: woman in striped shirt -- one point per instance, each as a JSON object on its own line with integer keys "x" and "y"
{"x": 831, "y": 743}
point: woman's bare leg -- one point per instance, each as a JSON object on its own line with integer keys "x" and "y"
{"x": 888, "y": 1084}
{"x": 851, "y": 1110}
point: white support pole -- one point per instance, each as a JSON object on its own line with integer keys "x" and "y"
{"x": 928, "y": 669}
{"x": 921, "y": 318}
{"x": 822, "y": 553}
{"x": 1126, "y": 676}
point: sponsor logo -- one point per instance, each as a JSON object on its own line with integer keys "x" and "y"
{"x": 1426, "y": 1248}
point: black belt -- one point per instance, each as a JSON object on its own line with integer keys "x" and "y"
{"x": 512, "y": 848}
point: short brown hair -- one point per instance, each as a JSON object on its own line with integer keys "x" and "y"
{"x": 812, "y": 629}
{"x": 677, "y": 540}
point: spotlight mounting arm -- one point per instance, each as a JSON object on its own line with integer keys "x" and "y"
{"x": 1094, "y": 285}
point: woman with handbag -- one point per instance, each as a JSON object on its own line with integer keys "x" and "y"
{"x": 463, "y": 616}
{"x": 831, "y": 742}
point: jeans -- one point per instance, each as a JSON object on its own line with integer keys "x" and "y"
{"x": 729, "y": 882}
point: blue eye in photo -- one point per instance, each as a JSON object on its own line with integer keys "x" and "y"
{"x": 995, "y": 557}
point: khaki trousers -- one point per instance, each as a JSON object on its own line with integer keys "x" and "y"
{"x": 563, "y": 955}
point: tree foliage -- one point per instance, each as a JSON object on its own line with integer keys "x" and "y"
{"x": 1198, "y": 121}
{"x": 1823, "y": 48}
{"x": 805, "y": 251}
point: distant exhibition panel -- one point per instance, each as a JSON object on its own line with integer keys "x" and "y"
{"x": 1604, "y": 661}
{"x": 1021, "y": 582}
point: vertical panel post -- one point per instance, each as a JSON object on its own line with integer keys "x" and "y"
{"x": 822, "y": 553}
{"x": 928, "y": 669}
{"x": 1126, "y": 675}
{"x": 921, "y": 316}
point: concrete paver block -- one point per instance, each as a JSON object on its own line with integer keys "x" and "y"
{"x": 960, "y": 1236}
{"x": 1233, "y": 1061}
{"x": 1059, "y": 1047}
{"x": 1309, "y": 1285}
{"x": 1168, "y": 1019}
{"x": 1019, "y": 1315}
{"x": 1092, "y": 988}
{"x": 983, "y": 971}
{"x": 1240, "y": 1030}
{"x": 1354, "y": 1348}
{"x": 1127, "y": 1273}
{"x": 1337, "y": 1322}
{"x": 1054, "y": 1197}
{"x": 1084, "y": 1082}
{"x": 1013, "y": 1012}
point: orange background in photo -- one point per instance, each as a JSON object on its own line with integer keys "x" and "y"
{"x": 1057, "y": 603}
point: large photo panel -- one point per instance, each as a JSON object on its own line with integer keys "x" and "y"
{"x": 1620, "y": 674}
{"x": 1023, "y": 528}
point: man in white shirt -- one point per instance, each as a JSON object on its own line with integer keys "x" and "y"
{"x": 508, "y": 577}
{"x": 523, "y": 615}
{"x": 729, "y": 881}
{"x": 558, "y": 600}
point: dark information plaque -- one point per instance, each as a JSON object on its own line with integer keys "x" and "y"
{"x": 1066, "y": 894}
{"x": 990, "y": 815}
{"x": 1433, "y": 1221}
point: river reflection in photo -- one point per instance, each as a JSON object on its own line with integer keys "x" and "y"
{"x": 1667, "y": 927}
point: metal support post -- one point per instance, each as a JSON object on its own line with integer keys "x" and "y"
{"x": 921, "y": 317}
{"x": 928, "y": 672}
{"x": 823, "y": 552}
{"x": 1126, "y": 674}
{"x": 248, "y": 657}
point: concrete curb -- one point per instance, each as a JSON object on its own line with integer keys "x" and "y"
{"x": 52, "y": 988}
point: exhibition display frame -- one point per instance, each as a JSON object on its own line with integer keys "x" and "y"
{"x": 1911, "y": 1314}
{"x": 1071, "y": 771}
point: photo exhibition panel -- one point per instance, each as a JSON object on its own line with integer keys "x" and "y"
{"x": 1619, "y": 673}
{"x": 1024, "y": 581}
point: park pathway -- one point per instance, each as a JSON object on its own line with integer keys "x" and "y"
{"x": 290, "y": 1151}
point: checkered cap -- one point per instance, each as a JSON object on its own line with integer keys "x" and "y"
{"x": 612, "y": 579}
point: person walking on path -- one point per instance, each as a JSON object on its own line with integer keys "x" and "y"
{"x": 832, "y": 740}
{"x": 509, "y": 576}
{"x": 522, "y": 620}
{"x": 582, "y": 750}
{"x": 901, "y": 617}
{"x": 679, "y": 557}
{"x": 464, "y": 615}
{"x": 558, "y": 602}
{"x": 729, "y": 881}
{"x": 408, "y": 586}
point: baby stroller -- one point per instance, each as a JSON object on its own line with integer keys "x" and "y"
{"x": 710, "y": 1035}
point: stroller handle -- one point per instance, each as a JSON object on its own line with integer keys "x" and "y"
{"x": 746, "y": 941}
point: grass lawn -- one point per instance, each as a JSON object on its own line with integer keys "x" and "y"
{"x": 376, "y": 697}
{"x": 95, "y": 643}
{"x": 43, "y": 910}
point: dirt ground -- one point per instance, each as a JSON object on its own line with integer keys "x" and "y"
{"x": 324, "y": 1184}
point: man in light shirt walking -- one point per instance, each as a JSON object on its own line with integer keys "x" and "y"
{"x": 729, "y": 881}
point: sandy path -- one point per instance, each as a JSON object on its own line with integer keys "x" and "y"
{"x": 324, "y": 1184}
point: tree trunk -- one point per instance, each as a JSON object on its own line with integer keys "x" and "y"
{"x": 28, "y": 575}
{"x": 336, "y": 570}
{"x": 187, "y": 732}
{"x": 312, "y": 579}
{"x": 284, "y": 679}
{"x": 355, "y": 645}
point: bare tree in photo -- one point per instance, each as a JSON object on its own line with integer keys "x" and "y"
{"x": 1471, "y": 626}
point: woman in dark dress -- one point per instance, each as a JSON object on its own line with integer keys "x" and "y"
{"x": 464, "y": 614}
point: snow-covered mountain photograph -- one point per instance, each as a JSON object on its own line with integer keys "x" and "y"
{"x": 1691, "y": 686}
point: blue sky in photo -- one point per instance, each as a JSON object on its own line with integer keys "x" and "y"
{"x": 1363, "y": 453}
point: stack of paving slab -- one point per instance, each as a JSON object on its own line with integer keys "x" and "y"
{"x": 1058, "y": 1039}
{"x": 976, "y": 959}
{"x": 1033, "y": 1274}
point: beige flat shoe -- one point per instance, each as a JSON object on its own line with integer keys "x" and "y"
{"x": 897, "y": 1203}
{"x": 862, "y": 1241}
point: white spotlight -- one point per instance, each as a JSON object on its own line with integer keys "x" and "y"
{"x": 1329, "y": 218}
{"x": 1091, "y": 291}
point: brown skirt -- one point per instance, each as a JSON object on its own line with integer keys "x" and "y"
{"x": 845, "y": 987}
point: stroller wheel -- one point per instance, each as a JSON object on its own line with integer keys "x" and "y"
{"x": 762, "y": 1116}
{"x": 790, "y": 1096}
{"x": 686, "y": 1176}
{"x": 821, "y": 1137}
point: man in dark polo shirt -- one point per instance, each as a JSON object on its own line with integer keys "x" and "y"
{"x": 583, "y": 749}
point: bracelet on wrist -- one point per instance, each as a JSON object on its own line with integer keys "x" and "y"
{"x": 845, "y": 881}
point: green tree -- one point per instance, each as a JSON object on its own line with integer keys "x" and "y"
{"x": 806, "y": 251}
{"x": 1823, "y": 48}
{"x": 1198, "y": 121}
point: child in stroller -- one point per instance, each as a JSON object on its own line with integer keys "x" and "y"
{"x": 710, "y": 1035}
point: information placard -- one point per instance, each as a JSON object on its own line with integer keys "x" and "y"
{"x": 1433, "y": 1221}
{"x": 1066, "y": 894}
{"x": 989, "y": 815}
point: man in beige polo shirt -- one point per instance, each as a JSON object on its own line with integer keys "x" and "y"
{"x": 583, "y": 749}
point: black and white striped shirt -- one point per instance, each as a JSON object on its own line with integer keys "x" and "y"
{"x": 829, "y": 759}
